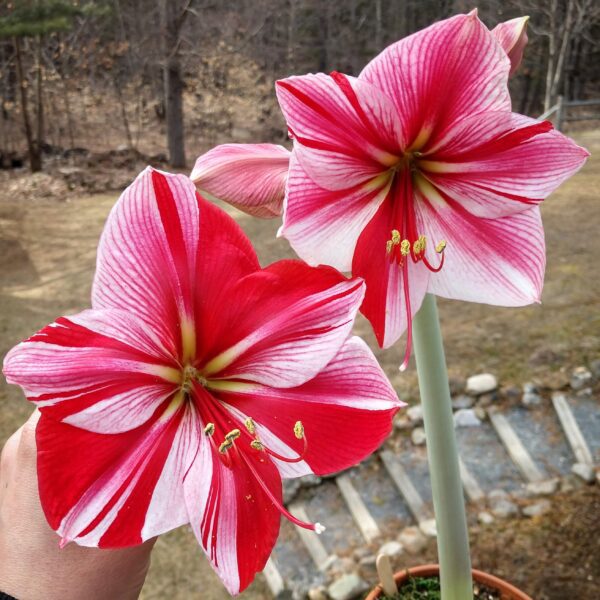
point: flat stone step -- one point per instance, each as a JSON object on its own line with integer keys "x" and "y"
{"x": 380, "y": 495}
{"x": 359, "y": 511}
{"x": 515, "y": 448}
{"x": 540, "y": 432}
{"x": 470, "y": 485}
{"x": 587, "y": 414}
{"x": 273, "y": 578}
{"x": 311, "y": 540}
{"x": 571, "y": 428}
{"x": 486, "y": 459}
{"x": 405, "y": 485}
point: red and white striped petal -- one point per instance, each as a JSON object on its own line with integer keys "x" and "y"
{"x": 345, "y": 131}
{"x": 346, "y": 411}
{"x": 323, "y": 226}
{"x": 147, "y": 257}
{"x": 459, "y": 56}
{"x": 288, "y": 322}
{"x": 494, "y": 261}
{"x": 103, "y": 371}
{"x": 496, "y": 164}
{"x": 251, "y": 177}
{"x": 125, "y": 491}
{"x": 512, "y": 36}
{"x": 389, "y": 285}
{"x": 234, "y": 520}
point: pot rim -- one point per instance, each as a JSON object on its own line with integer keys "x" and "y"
{"x": 508, "y": 591}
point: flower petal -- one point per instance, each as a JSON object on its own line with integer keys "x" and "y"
{"x": 251, "y": 177}
{"x": 103, "y": 371}
{"x": 162, "y": 251}
{"x": 288, "y": 323}
{"x": 323, "y": 226}
{"x": 346, "y": 411}
{"x": 118, "y": 490}
{"x": 459, "y": 56}
{"x": 232, "y": 517}
{"x": 345, "y": 131}
{"x": 385, "y": 299}
{"x": 512, "y": 36}
{"x": 494, "y": 261}
{"x": 496, "y": 164}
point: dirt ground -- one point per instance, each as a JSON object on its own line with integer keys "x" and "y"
{"x": 47, "y": 257}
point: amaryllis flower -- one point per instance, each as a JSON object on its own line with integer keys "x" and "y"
{"x": 251, "y": 177}
{"x": 512, "y": 36}
{"x": 418, "y": 177}
{"x": 195, "y": 383}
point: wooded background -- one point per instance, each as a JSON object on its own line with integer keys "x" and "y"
{"x": 175, "y": 77}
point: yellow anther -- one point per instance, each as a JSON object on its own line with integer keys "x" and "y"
{"x": 441, "y": 246}
{"x": 395, "y": 237}
{"x": 249, "y": 423}
{"x": 257, "y": 445}
{"x": 388, "y": 246}
{"x": 299, "y": 430}
{"x": 225, "y": 446}
{"x": 419, "y": 245}
{"x": 234, "y": 434}
{"x": 209, "y": 429}
{"x": 405, "y": 247}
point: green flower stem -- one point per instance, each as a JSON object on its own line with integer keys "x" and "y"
{"x": 448, "y": 499}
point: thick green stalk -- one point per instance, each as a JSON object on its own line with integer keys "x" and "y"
{"x": 448, "y": 499}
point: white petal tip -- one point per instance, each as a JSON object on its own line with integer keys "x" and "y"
{"x": 473, "y": 13}
{"x": 319, "y": 529}
{"x": 63, "y": 542}
{"x": 402, "y": 367}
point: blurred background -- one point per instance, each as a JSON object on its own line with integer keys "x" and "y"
{"x": 91, "y": 92}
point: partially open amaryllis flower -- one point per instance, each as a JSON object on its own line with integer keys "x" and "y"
{"x": 251, "y": 177}
{"x": 197, "y": 381}
{"x": 418, "y": 177}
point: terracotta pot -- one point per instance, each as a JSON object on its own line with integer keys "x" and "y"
{"x": 507, "y": 591}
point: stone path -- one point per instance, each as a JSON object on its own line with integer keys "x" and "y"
{"x": 515, "y": 453}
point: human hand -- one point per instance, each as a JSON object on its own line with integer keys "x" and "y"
{"x": 32, "y": 566}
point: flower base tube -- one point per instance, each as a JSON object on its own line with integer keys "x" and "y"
{"x": 448, "y": 499}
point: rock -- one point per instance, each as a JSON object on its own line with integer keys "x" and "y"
{"x": 466, "y": 417}
{"x": 457, "y": 385}
{"x": 531, "y": 399}
{"x": 418, "y": 436}
{"x": 485, "y": 518}
{"x": 412, "y": 540}
{"x": 361, "y": 552}
{"x": 462, "y": 401}
{"x": 310, "y": 480}
{"x": 595, "y": 368}
{"x": 402, "y": 423}
{"x": 317, "y": 593}
{"x": 504, "y": 509}
{"x": 481, "y": 384}
{"x": 586, "y": 472}
{"x": 347, "y": 587}
{"x": 545, "y": 356}
{"x": 487, "y": 399}
{"x": 415, "y": 414}
{"x": 341, "y": 566}
{"x": 428, "y": 527}
{"x": 513, "y": 392}
{"x": 480, "y": 413}
{"x": 537, "y": 509}
{"x": 368, "y": 562}
{"x": 543, "y": 488}
{"x": 391, "y": 549}
{"x": 571, "y": 482}
{"x": 580, "y": 378}
{"x": 586, "y": 393}
{"x": 500, "y": 505}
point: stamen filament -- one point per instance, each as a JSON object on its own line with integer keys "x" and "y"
{"x": 408, "y": 320}
{"x": 316, "y": 527}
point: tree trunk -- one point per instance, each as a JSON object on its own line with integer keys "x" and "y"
{"x": 173, "y": 85}
{"x": 33, "y": 150}
{"x": 39, "y": 95}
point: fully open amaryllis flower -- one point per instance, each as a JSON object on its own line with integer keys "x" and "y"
{"x": 418, "y": 177}
{"x": 197, "y": 381}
